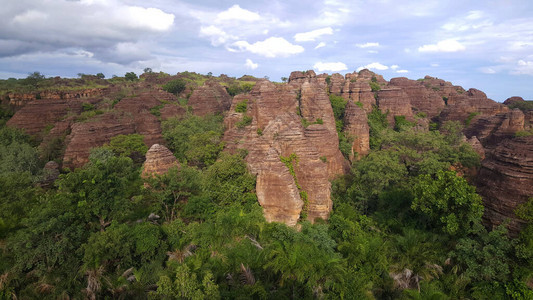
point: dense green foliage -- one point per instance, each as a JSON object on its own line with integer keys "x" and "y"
{"x": 403, "y": 225}
{"x": 175, "y": 86}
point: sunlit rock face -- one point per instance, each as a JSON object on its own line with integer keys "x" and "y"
{"x": 158, "y": 161}
{"x": 292, "y": 119}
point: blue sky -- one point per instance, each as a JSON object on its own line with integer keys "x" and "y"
{"x": 487, "y": 45}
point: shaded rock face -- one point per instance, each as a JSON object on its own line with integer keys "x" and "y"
{"x": 396, "y": 102}
{"x": 513, "y": 100}
{"x": 211, "y": 98}
{"x": 505, "y": 180}
{"x": 421, "y": 98}
{"x": 158, "y": 161}
{"x": 476, "y": 145}
{"x": 276, "y": 131}
{"x": 492, "y": 129}
{"x": 20, "y": 100}
{"x": 356, "y": 125}
{"x": 50, "y": 174}
{"x": 460, "y": 106}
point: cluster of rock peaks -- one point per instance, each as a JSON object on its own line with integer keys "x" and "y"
{"x": 290, "y": 131}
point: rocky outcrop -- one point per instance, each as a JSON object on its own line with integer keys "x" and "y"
{"x": 158, "y": 161}
{"x": 94, "y": 133}
{"x": 492, "y": 129}
{"x": 316, "y": 109}
{"x": 421, "y": 98}
{"x": 476, "y": 145}
{"x": 461, "y": 106}
{"x": 50, "y": 174}
{"x": 21, "y": 99}
{"x": 396, "y": 102}
{"x": 505, "y": 180}
{"x": 513, "y": 100}
{"x": 211, "y": 98}
{"x": 39, "y": 115}
{"x": 356, "y": 125}
{"x": 276, "y": 130}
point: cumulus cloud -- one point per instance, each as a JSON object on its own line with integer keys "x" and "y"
{"x": 101, "y": 27}
{"x": 320, "y": 45}
{"x": 394, "y": 67}
{"x": 367, "y": 45}
{"x": 374, "y": 65}
{"x": 330, "y": 66}
{"x": 312, "y": 35}
{"x": 217, "y": 35}
{"x": 402, "y": 71}
{"x": 443, "y": 46}
{"x": 523, "y": 67}
{"x": 236, "y": 13}
{"x": 250, "y": 64}
{"x": 271, "y": 47}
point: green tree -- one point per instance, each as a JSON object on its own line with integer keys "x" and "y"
{"x": 131, "y": 76}
{"x": 175, "y": 86}
{"x": 448, "y": 201}
{"x": 100, "y": 75}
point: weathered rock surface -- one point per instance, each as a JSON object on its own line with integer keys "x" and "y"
{"x": 513, "y": 100}
{"x": 158, "y": 161}
{"x": 506, "y": 180}
{"x": 356, "y": 125}
{"x": 476, "y": 145}
{"x": 37, "y": 115}
{"x": 211, "y": 98}
{"x": 421, "y": 98}
{"x": 50, "y": 174}
{"x": 492, "y": 129}
{"x": 396, "y": 102}
{"x": 94, "y": 133}
{"x": 277, "y": 131}
{"x": 460, "y": 106}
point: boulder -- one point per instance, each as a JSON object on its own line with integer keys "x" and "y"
{"x": 158, "y": 161}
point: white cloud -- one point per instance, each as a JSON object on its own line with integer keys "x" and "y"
{"x": 402, "y": 71}
{"x": 523, "y": 67}
{"x": 152, "y": 18}
{"x": 367, "y": 45}
{"x": 217, "y": 35}
{"x": 312, "y": 35}
{"x": 443, "y": 46}
{"x": 236, "y": 13}
{"x": 330, "y": 66}
{"x": 474, "y": 14}
{"x": 271, "y": 47}
{"x": 250, "y": 64}
{"x": 374, "y": 65}
{"x": 372, "y": 51}
{"x": 394, "y": 67}
{"x": 487, "y": 70}
{"x": 434, "y": 65}
{"x": 320, "y": 45}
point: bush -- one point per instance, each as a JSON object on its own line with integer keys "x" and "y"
{"x": 241, "y": 106}
{"x": 175, "y": 86}
{"x": 130, "y": 76}
{"x": 246, "y": 120}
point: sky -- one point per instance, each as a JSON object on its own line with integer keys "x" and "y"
{"x": 486, "y": 45}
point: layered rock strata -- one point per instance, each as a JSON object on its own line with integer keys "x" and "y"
{"x": 505, "y": 181}
{"x": 158, "y": 161}
{"x": 211, "y": 98}
{"x": 356, "y": 125}
{"x": 277, "y": 131}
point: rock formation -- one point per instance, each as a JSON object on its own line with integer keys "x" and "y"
{"x": 356, "y": 125}
{"x": 492, "y": 129}
{"x": 421, "y": 98}
{"x": 211, "y": 98}
{"x": 506, "y": 180}
{"x": 396, "y": 102}
{"x": 277, "y": 131}
{"x": 461, "y": 106}
{"x": 158, "y": 161}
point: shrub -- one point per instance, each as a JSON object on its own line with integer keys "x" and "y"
{"x": 130, "y": 76}
{"x": 241, "y": 106}
{"x": 375, "y": 86}
{"x": 175, "y": 86}
{"x": 246, "y": 120}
